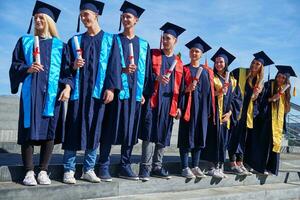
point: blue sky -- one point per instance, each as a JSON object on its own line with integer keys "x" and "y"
{"x": 242, "y": 27}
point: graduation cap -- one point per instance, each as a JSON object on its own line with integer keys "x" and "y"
{"x": 198, "y": 43}
{"x": 284, "y": 69}
{"x": 263, "y": 58}
{"x": 228, "y": 57}
{"x": 172, "y": 29}
{"x": 131, "y": 8}
{"x": 41, "y": 7}
{"x": 93, "y": 5}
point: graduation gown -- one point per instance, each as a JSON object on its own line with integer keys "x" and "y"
{"x": 192, "y": 133}
{"x": 157, "y": 123}
{"x": 217, "y": 133}
{"x": 240, "y": 132}
{"x": 85, "y": 114}
{"x": 262, "y": 138}
{"x": 122, "y": 117}
{"x": 41, "y": 127}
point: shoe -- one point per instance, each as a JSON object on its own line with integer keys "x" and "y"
{"x": 160, "y": 173}
{"x": 236, "y": 170}
{"x": 90, "y": 176}
{"x": 104, "y": 175}
{"x": 266, "y": 173}
{"x": 29, "y": 179}
{"x": 198, "y": 173}
{"x": 144, "y": 173}
{"x": 245, "y": 171}
{"x": 69, "y": 177}
{"x": 215, "y": 173}
{"x": 187, "y": 173}
{"x": 127, "y": 173}
{"x": 221, "y": 172}
{"x": 43, "y": 178}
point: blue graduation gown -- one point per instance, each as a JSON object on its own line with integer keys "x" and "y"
{"x": 41, "y": 127}
{"x": 157, "y": 124}
{"x": 192, "y": 134}
{"x": 217, "y": 134}
{"x": 239, "y": 133}
{"x": 85, "y": 115}
{"x": 122, "y": 117}
{"x": 262, "y": 139}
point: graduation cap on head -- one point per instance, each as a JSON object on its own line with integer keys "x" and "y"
{"x": 263, "y": 58}
{"x": 41, "y": 7}
{"x": 284, "y": 69}
{"x": 228, "y": 57}
{"x": 131, "y": 8}
{"x": 198, "y": 43}
{"x": 172, "y": 29}
{"x": 93, "y": 5}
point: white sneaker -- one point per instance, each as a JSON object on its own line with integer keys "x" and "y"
{"x": 216, "y": 174}
{"x": 198, "y": 173}
{"x": 69, "y": 177}
{"x": 29, "y": 179}
{"x": 43, "y": 178}
{"x": 187, "y": 173}
{"x": 222, "y": 173}
{"x": 90, "y": 176}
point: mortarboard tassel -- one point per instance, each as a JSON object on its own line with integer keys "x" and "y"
{"x": 294, "y": 91}
{"x": 78, "y": 24}
{"x": 161, "y": 41}
{"x": 29, "y": 28}
{"x": 120, "y": 24}
{"x": 179, "y": 55}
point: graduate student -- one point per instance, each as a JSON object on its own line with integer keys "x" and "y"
{"x": 122, "y": 117}
{"x": 250, "y": 82}
{"x": 40, "y": 64}
{"x": 164, "y": 105}
{"x": 227, "y": 104}
{"x": 193, "y": 124}
{"x": 264, "y": 153}
{"x": 96, "y": 78}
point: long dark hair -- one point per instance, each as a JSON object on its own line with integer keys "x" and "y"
{"x": 287, "y": 105}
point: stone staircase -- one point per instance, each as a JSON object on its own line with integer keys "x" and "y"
{"x": 284, "y": 186}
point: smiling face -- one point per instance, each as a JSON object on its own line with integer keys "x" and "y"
{"x": 255, "y": 66}
{"x": 40, "y": 22}
{"x": 195, "y": 54}
{"x": 220, "y": 64}
{"x": 88, "y": 18}
{"x": 281, "y": 79}
{"x": 168, "y": 41}
{"x": 128, "y": 20}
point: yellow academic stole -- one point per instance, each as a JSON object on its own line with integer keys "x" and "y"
{"x": 277, "y": 121}
{"x": 218, "y": 86}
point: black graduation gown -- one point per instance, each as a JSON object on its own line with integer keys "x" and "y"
{"x": 192, "y": 134}
{"x": 85, "y": 115}
{"x": 122, "y": 117}
{"x": 157, "y": 123}
{"x": 259, "y": 154}
{"x": 218, "y": 134}
{"x": 41, "y": 127}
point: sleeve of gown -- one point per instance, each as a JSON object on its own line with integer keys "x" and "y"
{"x": 114, "y": 68}
{"x": 149, "y": 82}
{"x": 18, "y": 68}
{"x": 65, "y": 72}
{"x": 236, "y": 105}
{"x": 262, "y": 100}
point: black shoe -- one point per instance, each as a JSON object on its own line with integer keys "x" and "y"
{"x": 160, "y": 173}
{"x": 127, "y": 173}
{"x": 144, "y": 173}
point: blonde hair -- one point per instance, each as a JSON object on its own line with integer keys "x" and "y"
{"x": 50, "y": 29}
{"x": 259, "y": 77}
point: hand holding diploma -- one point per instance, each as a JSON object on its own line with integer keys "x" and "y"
{"x": 79, "y": 62}
{"x": 226, "y": 84}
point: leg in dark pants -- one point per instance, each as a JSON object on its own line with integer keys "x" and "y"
{"x": 46, "y": 154}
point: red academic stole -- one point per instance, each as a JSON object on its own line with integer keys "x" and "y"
{"x": 156, "y": 63}
{"x": 188, "y": 79}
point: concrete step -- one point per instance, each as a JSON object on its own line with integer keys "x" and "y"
{"x": 279, "y": 191}
{"x": 9, "y": 99}
{"x": 8, "y": 137}
{"x": 11, "y": 168}
{"x": 9, "y": 125}
{"x": 121, "y": 188}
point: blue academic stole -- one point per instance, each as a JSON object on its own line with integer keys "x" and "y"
{"x": 54, "y": 72}
{"x": 106, "y": 45}
{"x": 124, "y": 93}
